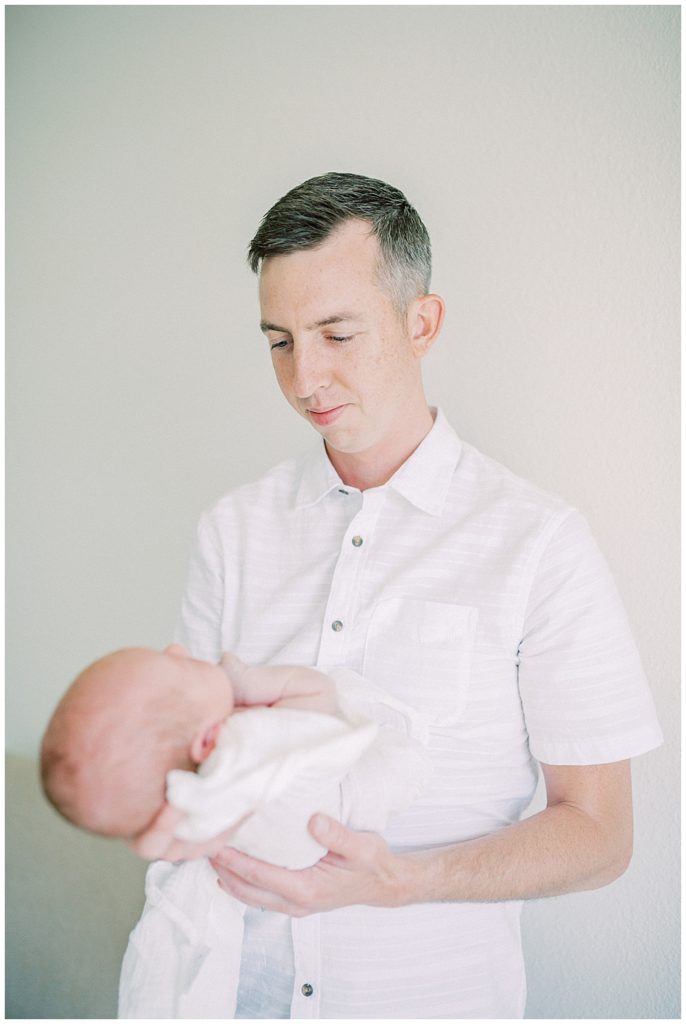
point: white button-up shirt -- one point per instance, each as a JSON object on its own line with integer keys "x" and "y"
{"x": 478, "y": 599}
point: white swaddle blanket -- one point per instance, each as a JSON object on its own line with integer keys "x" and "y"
{"x": 280, "y": 766}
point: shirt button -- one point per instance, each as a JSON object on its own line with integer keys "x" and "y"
{"x": 357, "y": 542}
{"x": 337, "y": 626}
{"x": 307, "y": 990}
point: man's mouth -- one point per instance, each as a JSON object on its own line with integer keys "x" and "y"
{"x": 322, "y": 417}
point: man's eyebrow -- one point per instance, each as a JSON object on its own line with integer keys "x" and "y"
{"x": 266, "y": 326}
{"x": 337, "y": 318}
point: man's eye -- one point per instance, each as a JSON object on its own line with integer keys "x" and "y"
{"x": 278, "y": 344}
{"x": 340, "y": 339}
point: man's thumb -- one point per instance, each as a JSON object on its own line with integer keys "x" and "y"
{"x": 330, "y": 833}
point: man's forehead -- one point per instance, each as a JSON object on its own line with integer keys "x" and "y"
{"x": 323, "y": 286}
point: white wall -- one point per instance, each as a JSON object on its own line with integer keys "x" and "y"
{"x": 540, "y": 144}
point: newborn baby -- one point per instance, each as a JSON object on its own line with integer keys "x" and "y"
{"x": 136, "y": 715}
{"x": 271, "y": 744}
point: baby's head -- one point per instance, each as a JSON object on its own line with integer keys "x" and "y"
{"x": 121, "y": 726}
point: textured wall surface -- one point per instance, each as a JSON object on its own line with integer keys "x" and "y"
{"x": 541, "y": 146}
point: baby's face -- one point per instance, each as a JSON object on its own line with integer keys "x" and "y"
{"x": 128, "y": 720}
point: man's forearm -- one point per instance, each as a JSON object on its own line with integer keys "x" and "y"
{"x": 560, "y": 850}
{"x": 581, "y": 841}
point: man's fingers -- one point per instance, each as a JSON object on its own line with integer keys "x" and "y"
{"x": 290, "y": 886}
{"x": 249, "y": 890}
{"x": 251, "y": 895}
{"x": 242, "y": 890}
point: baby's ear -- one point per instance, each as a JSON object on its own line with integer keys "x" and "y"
{"x": 204, "y": 742}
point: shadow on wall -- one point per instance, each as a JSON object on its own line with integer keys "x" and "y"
{"x": 71, "y": 901}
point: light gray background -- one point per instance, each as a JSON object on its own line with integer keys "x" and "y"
{"x": 540, "y": 144}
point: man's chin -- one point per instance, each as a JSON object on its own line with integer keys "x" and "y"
{"x": 345, "y": 442}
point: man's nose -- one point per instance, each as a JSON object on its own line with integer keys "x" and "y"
{"x": 310, "y": 370}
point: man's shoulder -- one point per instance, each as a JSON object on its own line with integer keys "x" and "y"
{"x": 498, "y": 489}
{"x": 274, "y": 490}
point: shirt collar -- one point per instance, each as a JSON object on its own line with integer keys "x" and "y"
{"x": 423, "y": 479}
{"x": 317, "y": 479}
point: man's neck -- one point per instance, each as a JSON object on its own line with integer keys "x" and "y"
{"x": 376, "y": 466}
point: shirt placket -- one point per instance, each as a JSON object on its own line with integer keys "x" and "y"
{"x": 307, "y": 988}
{"x": 337, "y": 640}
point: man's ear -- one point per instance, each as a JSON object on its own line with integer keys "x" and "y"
{"x": 204, "y": 742}
{"x": 426, "y": 319}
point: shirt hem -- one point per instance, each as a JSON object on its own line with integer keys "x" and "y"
{"x": 605, "y": 751}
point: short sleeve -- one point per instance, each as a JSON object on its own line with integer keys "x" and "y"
{"x": 583, "y": 690}
{"x": 199, "y": 626}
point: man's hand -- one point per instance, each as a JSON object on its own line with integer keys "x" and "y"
{"x": 359, "y": 868}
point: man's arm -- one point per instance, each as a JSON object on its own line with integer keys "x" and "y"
{"x": 582, "y": 840}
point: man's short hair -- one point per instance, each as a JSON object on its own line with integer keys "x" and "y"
{"x": 310, "y": 212}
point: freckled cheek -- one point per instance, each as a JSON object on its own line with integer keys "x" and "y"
{"x": 285, "y": 381}
{"x": 283, "y": 376}
{"x": 383, "y": 374}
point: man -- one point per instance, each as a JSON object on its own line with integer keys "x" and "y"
{"x": 403, "y": 553}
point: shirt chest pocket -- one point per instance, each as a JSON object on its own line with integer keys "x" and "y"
{"x": 421, "y": 652}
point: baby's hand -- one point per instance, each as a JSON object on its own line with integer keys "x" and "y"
{"x": 158, "y": 841}
{"x": 236, "y": 671}
{"x": 281, "y": 686}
